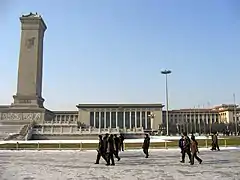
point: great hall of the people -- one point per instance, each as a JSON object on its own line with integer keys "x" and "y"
{"x": 139, "y": 115}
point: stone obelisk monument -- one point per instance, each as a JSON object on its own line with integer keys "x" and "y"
{"x": 28, "y": 101}
{"x": 30, "y": 67}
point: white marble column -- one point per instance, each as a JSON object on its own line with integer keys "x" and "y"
{"x": 135, "y": 119}
{"x": 146, "y": 120}
{"x": 94, "y": 119}
{"x": 52, "y": 130}
{"x": 124, "y": 122}
{"x": 100, "y": 119}
{"x": 69, "y": 119}
{"x": 130, "y": 119}
{"x": 60, "y": 119}
{"x": 105, "y": 119}
{"x": 141, "y": 118}
{"x": 116, "y": 119}
{"x": 110, "y": 118}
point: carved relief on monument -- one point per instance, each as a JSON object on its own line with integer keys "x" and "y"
{"x": 36, "y": 116}
{"x": 11, "y": 116}
{"x": 27, "y": 116}
{"x": 31, "y": 116}
{"x": 30, "y": 42}
{"x": 21, "y": 116}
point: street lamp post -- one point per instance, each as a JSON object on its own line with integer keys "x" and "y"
{"x": 166, "y": 73}
{"x": 235, "y": 114}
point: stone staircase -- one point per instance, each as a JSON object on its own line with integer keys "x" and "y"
{"x": 9, "y": 130}
{"x": 14, "y": 132}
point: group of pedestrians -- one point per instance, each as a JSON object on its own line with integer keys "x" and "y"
{"x": 215, "y": 145}
{"x": 109, "y": 147}
{"x": 190, "y": 147}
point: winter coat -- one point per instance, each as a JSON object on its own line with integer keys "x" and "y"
{"x": 215, "y": 139}
{"x": 146, "y": 143}
{"x": 194, "y": 147}
{"x": 111, "y": 145}
{"x": 101, "y": 145}
{"x": 180, "y": 143}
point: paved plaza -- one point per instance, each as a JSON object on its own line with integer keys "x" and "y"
{"x": 162, "y": 165}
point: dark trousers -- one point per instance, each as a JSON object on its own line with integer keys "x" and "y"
{"x": 215, "y": 146}
{"x": 121, "y": 146}
{"x": 110, "y": 158}
{"x": 184, "y": 152}
{"x": 116, "y": 154}
{"x": 145, "y": 151}
{"x": 194, "y": 156}
{"x": 99, "y": 155}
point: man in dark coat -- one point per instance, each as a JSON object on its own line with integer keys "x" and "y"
{"x": 194, "y": 151}
{"x": 121, "y": 137}
{"x": 100, "y": 150}
{"x": 192, "y": 136}
{"x": 215, "y": 145}
{"x": 180, "y": 143}
{"x": 146, "y": 144}
{"x": 186, "y": 147}
{"x": 105, "y": 143}
{"x": 110, "y": 150}
{"x": 117, "y": 146}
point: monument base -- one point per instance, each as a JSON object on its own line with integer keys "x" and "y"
{"x": 24, "y": 115}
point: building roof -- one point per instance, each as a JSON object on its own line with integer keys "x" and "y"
{"x": 120, "y": 106}
{"x": 4, "y": 106}
{"x": 65, "y": 112}
{"x": 193, "y": 110}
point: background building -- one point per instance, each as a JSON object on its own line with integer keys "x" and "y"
{"x": 199, "y": 120}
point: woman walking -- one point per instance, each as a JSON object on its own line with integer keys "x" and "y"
{"x": 194, "y": 151}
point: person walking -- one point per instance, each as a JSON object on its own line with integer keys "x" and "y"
{"x": 194, "y": 151}
{"x": 215, "y": 145}
{"x": 100, "y": 150}
{"x": 146, "y": 145}
{"x": 117, "y": 146}
{"x": 110, "y": 151}
{"x": 186, "y": 147}
{"x": 121, "y": 137}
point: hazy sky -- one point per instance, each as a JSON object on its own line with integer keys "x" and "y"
{"x": 109, "y": 51}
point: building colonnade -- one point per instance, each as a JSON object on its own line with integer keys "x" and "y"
{"x": 120, "y": 119}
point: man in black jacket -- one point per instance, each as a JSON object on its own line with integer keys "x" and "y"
{"x": 180, "y": 143}
{"x": 117, "y": 146}
{"x": 186, "y": 147}
{"x": 110, "y": 150}
{"x": 100, "y": 150}
{"x": 105, "y": 143}
{"x": 146, "y": 144}
{"x": 121, "y": 137}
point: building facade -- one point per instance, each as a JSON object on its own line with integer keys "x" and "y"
{"x": 202, "y": 120}
{"x": 122, "y": 116}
